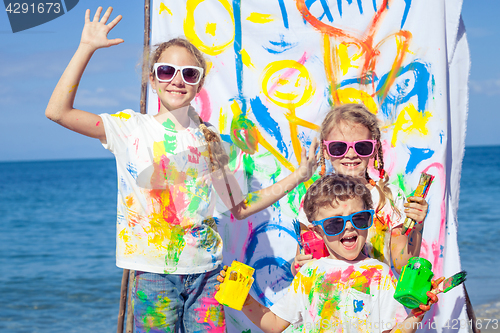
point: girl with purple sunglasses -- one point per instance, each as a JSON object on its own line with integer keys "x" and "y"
{"x": 350, "y": 139}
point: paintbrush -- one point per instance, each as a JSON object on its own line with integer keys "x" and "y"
{"x": 450, "y": 283}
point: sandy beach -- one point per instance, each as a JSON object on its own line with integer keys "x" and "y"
{"x": 489, "y": 315}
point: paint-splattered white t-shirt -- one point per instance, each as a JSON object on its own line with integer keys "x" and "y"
{"x": 165, "y": 201}
{"x": 329, "y": 295}
{"x": 378, "y": 241}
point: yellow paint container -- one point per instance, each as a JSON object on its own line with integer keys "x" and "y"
{"x": 234, "y": 290}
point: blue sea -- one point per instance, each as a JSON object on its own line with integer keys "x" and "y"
{"x": 57, "y": 242}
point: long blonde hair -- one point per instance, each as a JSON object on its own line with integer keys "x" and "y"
{"x": 358, "y": 114}
{"x": 217, "y": 155}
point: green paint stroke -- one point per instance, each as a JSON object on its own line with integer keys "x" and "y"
{"x": 169, "y": 125}
{"x": 175, "y": 246}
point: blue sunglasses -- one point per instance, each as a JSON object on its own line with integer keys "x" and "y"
{"x": 333, "y": 226}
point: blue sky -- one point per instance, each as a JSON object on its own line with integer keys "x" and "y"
{"x": 32, "y": 61}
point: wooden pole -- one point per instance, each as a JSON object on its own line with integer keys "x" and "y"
{"x": 128, "y": 275}
{"x": 129, "y": 328}
{"x": 145, "y": 61}
{"x": 123, "y": 301}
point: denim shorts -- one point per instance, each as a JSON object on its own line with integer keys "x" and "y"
{"x": 177, "y": 303}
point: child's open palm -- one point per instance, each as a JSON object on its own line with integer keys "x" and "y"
{"x": 95, "y": 32}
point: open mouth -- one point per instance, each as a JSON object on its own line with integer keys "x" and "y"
{"x": 349, "y": 241}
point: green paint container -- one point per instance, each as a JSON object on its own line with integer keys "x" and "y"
{"x": 414, "y": 283}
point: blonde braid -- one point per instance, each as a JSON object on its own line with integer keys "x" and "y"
{"x": 322, "y": 158}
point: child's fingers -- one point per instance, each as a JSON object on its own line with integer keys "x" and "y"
{"x": 419, "y": 200}
{"x": 217, "y": 287}
{"x": 87, "y": 16}
{"x": 97, "y": 14}
{"x": 115, "y": 41}
{"x": 437, "y": 282}
{"x": 106, "y": 15}
{"x": 312, "y": 149}
{"x": 433, "y": 297}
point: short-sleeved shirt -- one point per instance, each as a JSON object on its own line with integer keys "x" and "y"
{"x": 165, "y": 201}
{"x": 331, "y": 295}
{"x": 378, "y": 241}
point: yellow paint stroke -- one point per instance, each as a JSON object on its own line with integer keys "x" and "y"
{"x": 353, "y": 95}
{"x": 416, "y": 121}
{"x": 346, "y": 62}
{"x": 260, "y": 18}
{"x": 192, "y": 36}
{"x": 73, "y": 87}
{"x": 210, "y": 65}
{"x": 222, "y": 121}
{"x": 164, "y": 8}
{"x": 121, "y": 115}
{"x": 247, "y": 61}
{"x": 283, "y": 81}
{"x": 210, "y": 28}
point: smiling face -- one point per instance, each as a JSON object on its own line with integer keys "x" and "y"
{"x": 349, "y": 164}
{"x": 349, "y": 243}
{"x": 176, "y": 93}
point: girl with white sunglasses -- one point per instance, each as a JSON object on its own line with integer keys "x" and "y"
{"x": 350, "y": 138}
{"x": 168, "y": 167}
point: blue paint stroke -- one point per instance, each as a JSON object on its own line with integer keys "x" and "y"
{"x": 374, "y": 5}
{"x": 132, "y": 170}
{"x": 405, "y": 14}
{"x": 417, "y": 155}
{"x": 358, "y": 305}
{"x": 263, "y": 228}
{"x": 281, "y": 46}
{"x": 237, "y": 44}
{"x": 267, "y": 122}
{"x": 368, "y": 78}
{"x": 360, "y": 7}
{"x": 326, "y": 10}
{"x": 268, "y": 262}
{"x": 283, "y": 13}
{"x": 401, "y": 93}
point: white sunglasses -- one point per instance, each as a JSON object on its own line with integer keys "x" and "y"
{"x": 166, "y": 72}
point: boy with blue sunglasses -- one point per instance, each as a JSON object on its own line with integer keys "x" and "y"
{"x": 347, "y": 291}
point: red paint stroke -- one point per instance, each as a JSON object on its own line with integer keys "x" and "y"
{"x": 194, "y": 155}
{"x": 365, "y": 42}
{"x": 204, "y": 100}
{"x": 97, "y": 124}
{"x": 437, "y": 261}
{"x": 204, "y": 316}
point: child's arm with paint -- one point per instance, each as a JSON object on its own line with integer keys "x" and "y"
{"x": 411, "y": 323}
{"x": 228, "y": 189}
{"x": 261, "y": 316}
{"x": 405, "y": 246}
{"x": 60, "y": 107}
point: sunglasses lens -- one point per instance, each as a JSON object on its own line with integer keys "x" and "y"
{"x": 362, "y": 220}
{"x": 165, "y": 72}
{"x": 337, "y": 148}
{"x": 364, "y": 148}
{"x": 191, "y": 75}
{"x": 333, "y": 226}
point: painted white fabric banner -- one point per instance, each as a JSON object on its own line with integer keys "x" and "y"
{"x": 277, "y": 66}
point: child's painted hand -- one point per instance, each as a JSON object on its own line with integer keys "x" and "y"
{"x": 423, "y": 308}
{"x": 95, "y": 32}
{"x": 300, "y": 260}
{"x": 221, "y": 277}
{"x": 308, "y": 162}
{"x": 416, "y": 209}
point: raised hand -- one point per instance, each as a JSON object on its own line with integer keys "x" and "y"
{"x": 308, "y": 162}
{"x": 95, "y": 32}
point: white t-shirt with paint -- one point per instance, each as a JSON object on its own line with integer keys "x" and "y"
{"x": 330, "y": 295}
{"x": 165, "y": 201}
